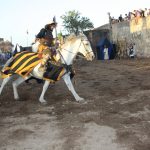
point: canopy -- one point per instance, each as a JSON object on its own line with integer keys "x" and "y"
{"x": 104, "y": 42}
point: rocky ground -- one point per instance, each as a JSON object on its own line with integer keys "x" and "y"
{"x": 114, "y": 116}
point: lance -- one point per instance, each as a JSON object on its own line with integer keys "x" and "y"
{"x": 54, "y": 20}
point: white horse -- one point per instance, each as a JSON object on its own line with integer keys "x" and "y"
{"x": 68, "y": 52}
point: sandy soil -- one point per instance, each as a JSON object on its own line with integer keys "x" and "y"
{"x": 115, "y": 116}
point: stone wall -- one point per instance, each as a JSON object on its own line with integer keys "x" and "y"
{"x": 136, "y": 31}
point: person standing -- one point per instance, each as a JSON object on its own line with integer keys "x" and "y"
{"x": 106, "y": 55}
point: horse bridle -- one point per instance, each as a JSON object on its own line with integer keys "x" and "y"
{"x": 69, "y": 67}
{"x": 78, "y": 48}
{"x": 85, "y": 47}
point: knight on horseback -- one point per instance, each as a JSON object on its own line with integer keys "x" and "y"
{"x": 27, "y": 64}
{"x": 44, "y": 42}
{"x": 44, "y": 39}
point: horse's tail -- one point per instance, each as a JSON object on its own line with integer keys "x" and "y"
{"x": 7, "y": 62}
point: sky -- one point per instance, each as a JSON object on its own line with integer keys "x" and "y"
{"x": 19, "y": 16}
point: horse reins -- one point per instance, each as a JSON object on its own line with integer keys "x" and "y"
{"x": 75, "y": 53}
{"x": 69, "y": 67}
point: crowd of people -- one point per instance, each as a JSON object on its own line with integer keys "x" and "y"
{"x": 131, "y": 15}
{"x": 4, "y": 56}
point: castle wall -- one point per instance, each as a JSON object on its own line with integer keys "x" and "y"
{"x": 136, "y": 31}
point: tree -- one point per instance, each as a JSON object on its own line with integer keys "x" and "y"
{"x": 74, "y": 23}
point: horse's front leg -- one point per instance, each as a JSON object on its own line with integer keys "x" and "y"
{"x": 16, "y": 83}
{"x": 68, "y": 82}
{"x": 45, "y": 87}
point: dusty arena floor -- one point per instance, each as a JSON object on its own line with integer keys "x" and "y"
{"x": 114, "y": 116}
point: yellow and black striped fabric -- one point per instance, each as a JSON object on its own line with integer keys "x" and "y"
{"x": 53, "y": 72}
{"x": 22, "y": 64}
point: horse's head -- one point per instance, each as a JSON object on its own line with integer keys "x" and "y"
{"x": 75, "y": 44}
{"x": 85, "y": 47}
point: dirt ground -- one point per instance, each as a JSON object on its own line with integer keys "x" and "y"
{"x": 114, "y": 116}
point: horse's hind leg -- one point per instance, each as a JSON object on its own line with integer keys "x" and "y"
{"x": 68, "y": 82}
{"x": 16, "y": 83}
{"x": 4, "y": 83}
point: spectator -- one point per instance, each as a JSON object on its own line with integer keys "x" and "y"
{"x": 112, "y": 19}
{"x": 145, "y": 12}
{"x": 106, "y": 56}
{"x": 148, "y": 12}
{"x": 133, "y": 14}
{"x": 129, "y": 15}
{"x": 120, "y": 19}
{"x": 138, "y": 13}
{"x": 141, "y": 11}
{"x": 132, "y": 51}
{"x": 126, "y": 17}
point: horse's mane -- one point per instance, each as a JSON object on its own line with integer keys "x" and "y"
{"x": 72, "y": 37}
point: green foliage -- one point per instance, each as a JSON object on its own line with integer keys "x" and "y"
{"x": 59, "y": 35}
{"x": 74, "y": 23}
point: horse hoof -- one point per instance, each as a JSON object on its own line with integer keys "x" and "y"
{"x": 17, "y": 99}
{"x": 80, "y": 100}
{"x": 43, "y": 102}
